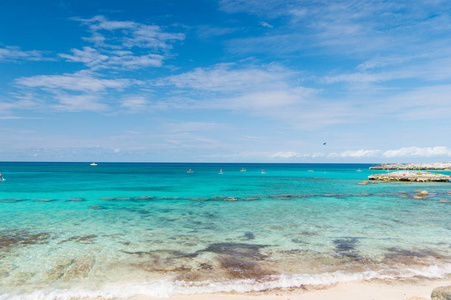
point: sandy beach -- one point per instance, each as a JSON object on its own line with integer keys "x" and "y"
{"x": 411, "y": 289}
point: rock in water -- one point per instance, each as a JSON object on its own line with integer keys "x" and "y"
{"x": 441, "y": 293}
{"x": 411, "y": 176}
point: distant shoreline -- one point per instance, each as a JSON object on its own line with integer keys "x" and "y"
{"x": 444, "y": 166}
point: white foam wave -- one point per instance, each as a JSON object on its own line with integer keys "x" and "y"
{"x": 167, "y": 288}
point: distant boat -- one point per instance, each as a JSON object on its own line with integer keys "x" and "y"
{"x": 189, "y": 171}
{"x": 243, "y": 170}
{"x": 93, "y": 164}
{"x": 263, "y": 171}
{"x": 220, "y": 172}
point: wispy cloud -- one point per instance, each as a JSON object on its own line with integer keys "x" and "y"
{"x": 135, "y": 104}
{"x": 418, "y": 152}
{"x": 123, "y": 45}
{"x": 342, "y": 27}
{"x": 13, "y": 53}
{"x": 115, "y": 59}
{"x": 404, "y": 152}
{"x": 207, "y": 31}
{"x": 193, "y": 126}
{"x": 231, "y": 78}
{"x": 356, "y": 153}
{"x": 80, "y": 81}
{"x": 265, "y": 24}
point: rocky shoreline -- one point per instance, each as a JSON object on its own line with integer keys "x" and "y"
{"x": 411, "y": 176}
{"x": 414, "y": 166}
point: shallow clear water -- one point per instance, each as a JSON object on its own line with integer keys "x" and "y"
{"x": 116, "y": 230}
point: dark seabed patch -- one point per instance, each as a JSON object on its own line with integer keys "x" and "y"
{"x": 18, "y": 238}
{"x": 71, "y": 268}
{"x": 297, "y": 241}
{"x": 239, "y": 268}
{"x": 250, "y": 251}
{"x": 408, "y": 256}
{"x": 75, "y": 199}
{"x": 144, "y": 198}
{"x": 347, "y": 247}
{"x": 96, "y": 207}
{"x": 44, "y": 200}
{"x": 249, "y": 236}
{"x": 115, "y": 199}
{"x": 87, "y": 239}
{"x": 307, "y": 233}
{"x": 12, "y": 200}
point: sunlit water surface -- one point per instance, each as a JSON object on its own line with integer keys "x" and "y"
{"x": 116, "y": 230}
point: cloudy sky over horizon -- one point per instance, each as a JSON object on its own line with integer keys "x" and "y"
{"x": 225, "y": 80}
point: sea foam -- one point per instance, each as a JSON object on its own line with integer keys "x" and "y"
{"x": 168, "y": 288}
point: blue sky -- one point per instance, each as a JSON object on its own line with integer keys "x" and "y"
{"x": 225, "y": 80}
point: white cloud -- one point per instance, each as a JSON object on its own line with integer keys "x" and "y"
{"x": 135, "y": 104}
{"x": 80, "y": 81}
{"x": 79, "y": 103}
{"x": 123, "y": 45}
{"x": 11, "y": 53}
{"x": 116, "y": 59}
{"x": 360, "y": 153}
{"x": 230, "y": 78}
{"x": 418, "y": 151}
{"x": 265, "y": 24}
{"x": 288, "y": 154}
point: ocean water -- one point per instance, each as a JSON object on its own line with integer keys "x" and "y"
{"x": 71, "y": 230}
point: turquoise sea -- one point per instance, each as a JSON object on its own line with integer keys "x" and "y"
{"x": 71, "y": 230}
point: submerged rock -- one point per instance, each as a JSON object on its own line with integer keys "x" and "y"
{"x": 96, "y": 207}
{"x": 71, "y": 268}
{"x": 441, "y": 293}
{"x": 75, "y": 199}
{"x": 12, "y": 200}
{"x": 44, "y": 200}
{"x": 19, "y": 238}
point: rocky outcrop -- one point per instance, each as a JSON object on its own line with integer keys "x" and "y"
{"x": 441, "y": 293}
{"x": 411, "y": 176}
{"x": 414, "y": 166}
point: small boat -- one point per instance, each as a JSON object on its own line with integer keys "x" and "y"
{"x": 189, "y": 171}
{"x": 263, "y": 171}
{"x": 243, "y": 170}
{"x": 220, "y": 172}
{"x": 93, "y": 164}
